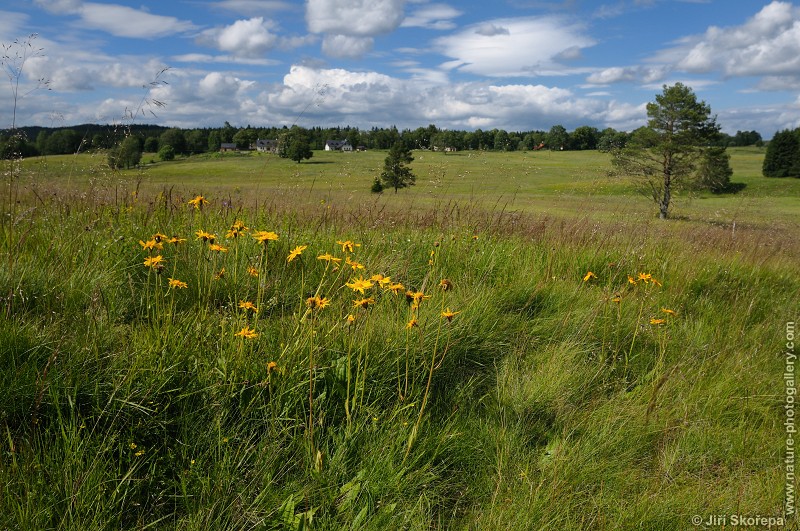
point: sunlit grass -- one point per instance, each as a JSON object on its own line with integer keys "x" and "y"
{"x": 304, "y": 353}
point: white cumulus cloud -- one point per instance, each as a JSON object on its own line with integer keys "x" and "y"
{"x": 766, "y": 44}
{"x": 514, "y": 47}
{"x": 357, "y": 18}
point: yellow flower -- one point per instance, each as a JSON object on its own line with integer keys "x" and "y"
{"x": 669, "y": 312}
{"x": 654, "y": 321}
{"x": 353, "y": 264}
{"x": 297, "y": 251}
{"x": 412, "y": 323}
{"x": 264, "y": 236}
{"x": 589, "y": 275}
{"x": 175, "y": 240}
{"x": 616, "y": 298}
{"x": 220, "y": 274}
{"x": 327, "y": 257}
{"x": 316, "y": 302}
{"x": 247, "y": 333}
{"x": 364, "y": 303}
{"x": 158, "y": 237}
{"x": 449, "y": 314}
{"x": 252, "y": 271}
{"x": 232, "y": 234}
{"x": 631, "y": 280}
{"x": 446, "y": 285}
{"x": 150, "y": 245}
{"x": 395, "y": 288}
{"x": 217, "y": 247}
{"x": 272, "y": 366}
{"x": 239, "y": 226}
{"x": 133, "y": 446}
{"x": 351, "y": 318}
{"x": 415, "y": 298}
{"x": 247, "y": 305}
{"x": 155, "y": 262}
{"x": 175, "y": 283}
{"x": 198, "y": 202}
{"x": 205, "y": 236}
{"x": 359, "y": 285}
{"x": 645, "y": 277}
{"x": 140, "y": 453}
{"x": 347, "y": 245}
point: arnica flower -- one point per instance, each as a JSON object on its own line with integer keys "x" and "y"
{"x": 631, "y": 280}
{"x": 359, "y": 285}
{"x": 381, "y": 280}
{"x": 297, "y": 251}
{"x": 150, "y": 245}
{"x": 616, "y": 298}
{"x": 247, "y": 333}
{"x": 412, "y": 323}
{"x": 247, "y": 305}
{"x": 218, "y": 248}
{"x": 669, "y": 312}
{"x": 449, "y": 314}
{"x": 252, "y": 271}
{"x": 654, "y": 321}
{"x": 158, "y": 237}
{"x": 316, "y": 302}
{"x": 645, "y": 277}
{"x": 232, "y": 234}
{"x": 348, "y": 246}
{"x": 415, "y": 297}
{"x": 205, "y": 236}
{"x": 175, "y": 283}
{"x": 588, "y": 276}
{"x": 446, "y": 285}
{"x": 175, "y": 240}
{"x": 154, "y": 262}
{"x": 272, "y": 366}
{"x": 353, "y": 264}
{"x": 327, "y": 257}
{"x": 198, "y": 202}
{"x": 350, "y": 318}
{"x": 219, "y": 275}
{"x": 395, "y": 288}
{"x": 239, "y": 226}
{"x": 263, "y": 236}
{"x": 363, "y": 303}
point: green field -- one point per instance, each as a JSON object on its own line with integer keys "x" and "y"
{"x": 636, "y": 397}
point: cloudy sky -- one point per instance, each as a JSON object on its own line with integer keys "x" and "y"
{"x": 466, "y": 64}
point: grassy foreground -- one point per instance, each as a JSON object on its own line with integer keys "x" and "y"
{"x": 501, "y": 387}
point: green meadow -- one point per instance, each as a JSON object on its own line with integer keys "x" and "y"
{"x": 239, "y": 341}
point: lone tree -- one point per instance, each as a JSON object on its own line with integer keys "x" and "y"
{"x": 396, "y": 174}
{"x": 668, "y": 149}
{"x": 782, "y": 158}
{"x": 295, "y": 146}
{"x": 714, "y": 171}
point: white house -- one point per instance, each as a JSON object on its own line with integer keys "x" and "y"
{"x": 338, "y": 145}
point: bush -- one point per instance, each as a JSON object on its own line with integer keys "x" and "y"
{"x": 166, "y": 153}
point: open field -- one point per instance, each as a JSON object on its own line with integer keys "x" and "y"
{"x": 634, "y": 398}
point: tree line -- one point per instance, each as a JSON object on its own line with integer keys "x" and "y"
{"x": 32, "y": 141}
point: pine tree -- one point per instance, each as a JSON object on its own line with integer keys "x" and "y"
{"x": 782, "y": 158}
{"x": 396, "y": 173}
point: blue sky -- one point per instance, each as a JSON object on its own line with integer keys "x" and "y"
{"x": 515, "y": 65}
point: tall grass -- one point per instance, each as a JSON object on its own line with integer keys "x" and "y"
{"x": 552, "y": 399}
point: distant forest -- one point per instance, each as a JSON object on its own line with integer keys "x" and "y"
{"x": 33, "y": 140}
